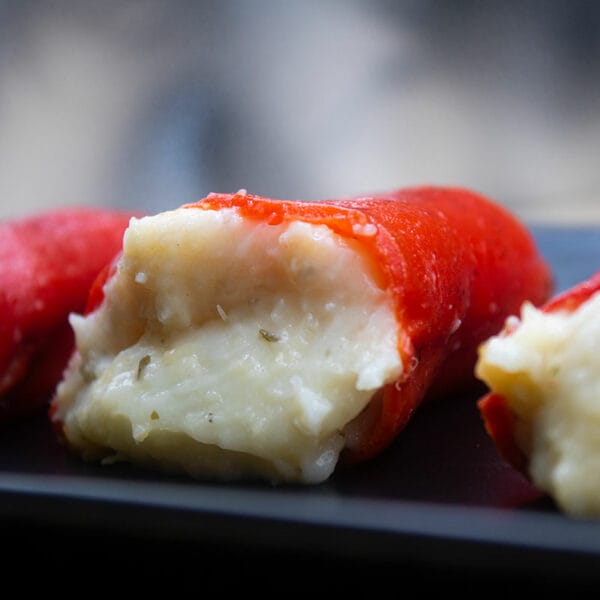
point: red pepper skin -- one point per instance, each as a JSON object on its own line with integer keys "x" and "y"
{"x": 48, "y": 262}
{"x": 498, "y": 419}
{"x": 499, "y": 423}
{"x": 456, "y": 263}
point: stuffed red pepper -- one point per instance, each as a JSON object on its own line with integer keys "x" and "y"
{"x": 242, "y": 336}
{"x": 48, "y": 262}
{"x": 543, "y": 410}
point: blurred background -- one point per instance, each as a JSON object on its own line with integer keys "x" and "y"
{"x": 150, "y": 104}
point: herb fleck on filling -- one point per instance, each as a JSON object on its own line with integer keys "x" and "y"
{"x": 268, "y": 336}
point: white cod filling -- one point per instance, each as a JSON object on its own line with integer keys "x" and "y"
{"x": 549, "y": 371}
{"x": 230, "y": 348}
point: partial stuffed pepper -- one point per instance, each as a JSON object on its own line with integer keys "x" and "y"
{"x": 245, "y": 337}
{"x": 543, "y": 410}
{"x": 48, "y": 261}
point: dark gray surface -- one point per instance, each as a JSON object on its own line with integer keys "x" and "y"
{"x": 574, "y": 253}
{"x": 439, "y": 498}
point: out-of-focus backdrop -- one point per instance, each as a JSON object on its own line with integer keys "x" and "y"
{"x": 150, "y": 104}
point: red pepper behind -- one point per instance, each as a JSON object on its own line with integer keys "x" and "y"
{"x": 456, "y": 264}
{"x": 498, "y": 419}
{"x": 48, "y": 262}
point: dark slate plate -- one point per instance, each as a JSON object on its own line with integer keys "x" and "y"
{"x": 439, "y": 501}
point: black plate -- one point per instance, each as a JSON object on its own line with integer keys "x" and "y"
{"x": 440, "y": 498}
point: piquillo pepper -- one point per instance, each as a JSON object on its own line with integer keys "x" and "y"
{"x": 541, "y": 410}
{"x": 310, "y": 330}
{"x": 47, "y": 264}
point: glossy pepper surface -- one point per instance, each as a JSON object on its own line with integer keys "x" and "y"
{"x": 48, "y": 262}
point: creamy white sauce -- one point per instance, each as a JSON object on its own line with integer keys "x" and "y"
{"x": 549, "y": 371}
{"x": 230, "y": 348}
